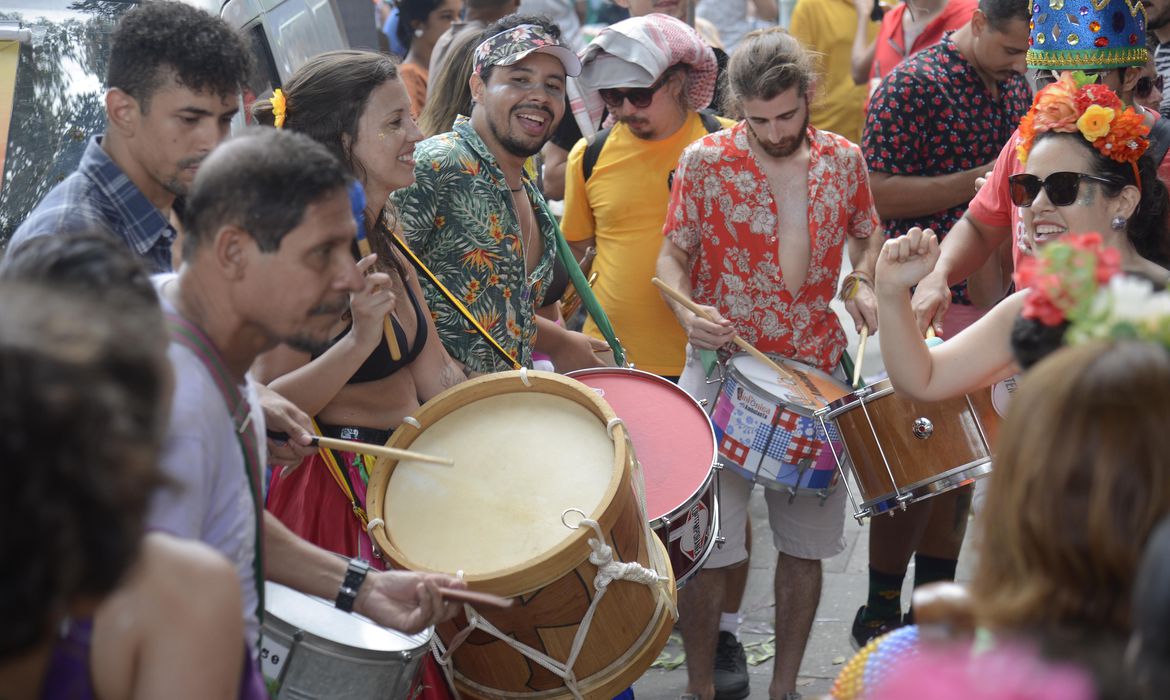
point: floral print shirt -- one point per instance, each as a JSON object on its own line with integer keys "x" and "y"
{"x": 934, "y": 116}
{"x": 723, "y": 215}
{"x": 459, "y": 218}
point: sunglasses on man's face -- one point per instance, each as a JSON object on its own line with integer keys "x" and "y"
{"x": 1145, "y": 85}
{"x": 640, "y": 98}
{"x": 1061, "y": 188}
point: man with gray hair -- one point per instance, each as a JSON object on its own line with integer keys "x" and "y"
{"x": 654, "y": 74}
{"x": 759, "y": 219}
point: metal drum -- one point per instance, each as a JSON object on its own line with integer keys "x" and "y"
{"x": 310, "y": 649}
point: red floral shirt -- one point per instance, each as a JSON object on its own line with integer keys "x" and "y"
{"x": 722, "y": 214}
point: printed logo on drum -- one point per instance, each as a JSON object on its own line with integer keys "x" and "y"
{"x": 698, "y": 529}
{"x": 755, "y": 406}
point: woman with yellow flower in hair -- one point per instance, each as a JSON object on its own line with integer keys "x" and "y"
{"x": 1084, "y": 171}
{"x": 385, "y": 358}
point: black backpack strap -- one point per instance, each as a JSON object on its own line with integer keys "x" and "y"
{"x": 593, "y": 148}
{"x": 710, "y": 122}
{"x": 1159, "y": 140}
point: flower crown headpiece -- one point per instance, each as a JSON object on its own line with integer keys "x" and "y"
{"x": 1075, "y": 104}
{"x": 1076, "y": 279}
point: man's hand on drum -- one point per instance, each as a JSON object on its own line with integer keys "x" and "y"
{"x": 407, "y": 601}
{"x": 907, "y": 261}
{"x": 282, "y": 416}
{"x": 370, "y": 306}
{"x": 709, "y": 335}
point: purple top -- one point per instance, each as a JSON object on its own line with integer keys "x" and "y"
{"x": 67, "y": 676}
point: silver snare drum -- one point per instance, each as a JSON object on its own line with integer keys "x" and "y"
{"x": 310, "y": 649}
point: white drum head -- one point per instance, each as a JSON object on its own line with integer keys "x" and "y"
{"x": 521, "y": 460}
{"x": 320, "y": 618}
{"x": 766, "y": 378}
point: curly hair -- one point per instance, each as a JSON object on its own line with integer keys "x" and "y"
{"x": 82, "y": 400}
{"x": 157, "y": 41}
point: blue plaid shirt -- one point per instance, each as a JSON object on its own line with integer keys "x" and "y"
{"x": 98, "y": 196}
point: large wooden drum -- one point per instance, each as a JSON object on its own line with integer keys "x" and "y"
{"x": 535, "y": 453}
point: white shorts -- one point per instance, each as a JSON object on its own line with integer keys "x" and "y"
{"x": 804, "y": 527}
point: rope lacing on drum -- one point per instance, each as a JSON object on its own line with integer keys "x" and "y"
{"x": 608, "y": 571}
{"x": 412, "y": 421}
{"x": 524, "y": 377}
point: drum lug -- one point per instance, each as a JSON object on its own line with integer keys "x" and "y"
{"x": 665, "y": 521}
{"x": 703, "y": 403}
{"x": 719, "y": 540}
{"x": 718, "y": 466}
{"x": 923, "y": 428}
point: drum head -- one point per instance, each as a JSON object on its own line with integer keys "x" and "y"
{"x": 671, "y": 433}
{"x": 521, "y": 461}
{"x": 321, "y": 619}
{"x": 823, "y": 387}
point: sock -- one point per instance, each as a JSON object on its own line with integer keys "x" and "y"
{"x": 885, "y": 596}
{"x": 729, "y": 622}
{"x": 929, "y": 569}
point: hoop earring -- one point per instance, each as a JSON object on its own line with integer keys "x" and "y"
{"x": 1118, "y": 223}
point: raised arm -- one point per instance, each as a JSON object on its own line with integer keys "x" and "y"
{"x": 974, "y": 358}
{"x": 861, "y": 60}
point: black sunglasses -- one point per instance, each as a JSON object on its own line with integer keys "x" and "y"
{"x": 1061, "y": 188}
{"x": 638, "y": 97}
{"x": 1145, "y": 85}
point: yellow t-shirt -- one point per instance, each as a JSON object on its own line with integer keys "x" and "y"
{"x": 623, "y": 206}
{"x": 827, "y": 27}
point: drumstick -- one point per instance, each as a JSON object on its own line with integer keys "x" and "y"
{"x": 379, "y": 451}
{"x": 740, "y": 342}
{"x": 475, "y": 597}
{"x": 387, "y": 326}
{"x": 860, "y": 355}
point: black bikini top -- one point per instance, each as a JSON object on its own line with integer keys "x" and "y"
{"x": 379, "y": 364}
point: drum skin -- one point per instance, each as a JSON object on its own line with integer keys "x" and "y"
{"x": 957, "y": 440}
{"x": 552, "y": 591}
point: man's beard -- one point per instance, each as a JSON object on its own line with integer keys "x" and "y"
{"x": 303, "y": 342}
{"x": 517, "y": 146}
{"x": 788, "y": 145}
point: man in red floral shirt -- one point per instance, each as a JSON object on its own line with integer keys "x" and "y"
{"x": 759, "y": 218}
{"x": 935, "y": 124}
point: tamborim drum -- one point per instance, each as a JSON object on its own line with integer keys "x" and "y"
{"x": 676, "y": 449}
{"x": 541, "y": 506}
{"x": 766, "y": 429}
{"x": 310, "y": 649}
{"x": 904, "y": 451}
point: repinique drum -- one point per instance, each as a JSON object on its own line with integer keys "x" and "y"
{"x": 903, "y": 451}
{"x": 310, "y": 649}
{"x": 765, "y": 426}
{"x": 541, "y": 506}
{"x": 676, "y": 449}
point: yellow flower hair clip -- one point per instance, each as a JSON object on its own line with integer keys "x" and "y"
{"x": 279, "y": 107}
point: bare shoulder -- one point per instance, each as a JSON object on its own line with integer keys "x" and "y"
{"x": 172, "y": 567}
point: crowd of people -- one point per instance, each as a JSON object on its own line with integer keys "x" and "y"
{"x": 186, "y": 311}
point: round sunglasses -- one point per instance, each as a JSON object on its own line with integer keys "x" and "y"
{"x": 1061, "y": 188}
{"x": 639, "y": 98}
{"x": 1145, "y": 85}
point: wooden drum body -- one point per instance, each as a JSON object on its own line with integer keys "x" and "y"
{"x": 904, "y": 451}
{"x": 533, "y": 458}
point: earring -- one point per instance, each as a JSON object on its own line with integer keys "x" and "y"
{"x": 1118, "y": 223}
{"x": 418, "y": 33}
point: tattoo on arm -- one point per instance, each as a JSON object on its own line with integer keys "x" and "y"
{"x": 450, "y": 376}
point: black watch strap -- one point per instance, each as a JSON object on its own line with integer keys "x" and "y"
{"x": 355, "y": 574}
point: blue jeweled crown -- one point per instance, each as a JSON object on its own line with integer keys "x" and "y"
{"x": 1087, "y": 34}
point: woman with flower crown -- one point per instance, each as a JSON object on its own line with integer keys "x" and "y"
{"x": 1085, "y": 172}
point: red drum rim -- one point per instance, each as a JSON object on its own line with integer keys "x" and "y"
{"x": 668, "y": 429}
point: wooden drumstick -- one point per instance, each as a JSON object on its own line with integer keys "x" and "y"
{"x": 387, "y": 326}
{"x": 379, "y": 451}
{"x": 475, "y": 597}
{"x": 740, "y": 342}
{"x": 860, "y": 355}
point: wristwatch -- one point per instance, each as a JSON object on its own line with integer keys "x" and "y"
{"x": 355, "y": 574}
